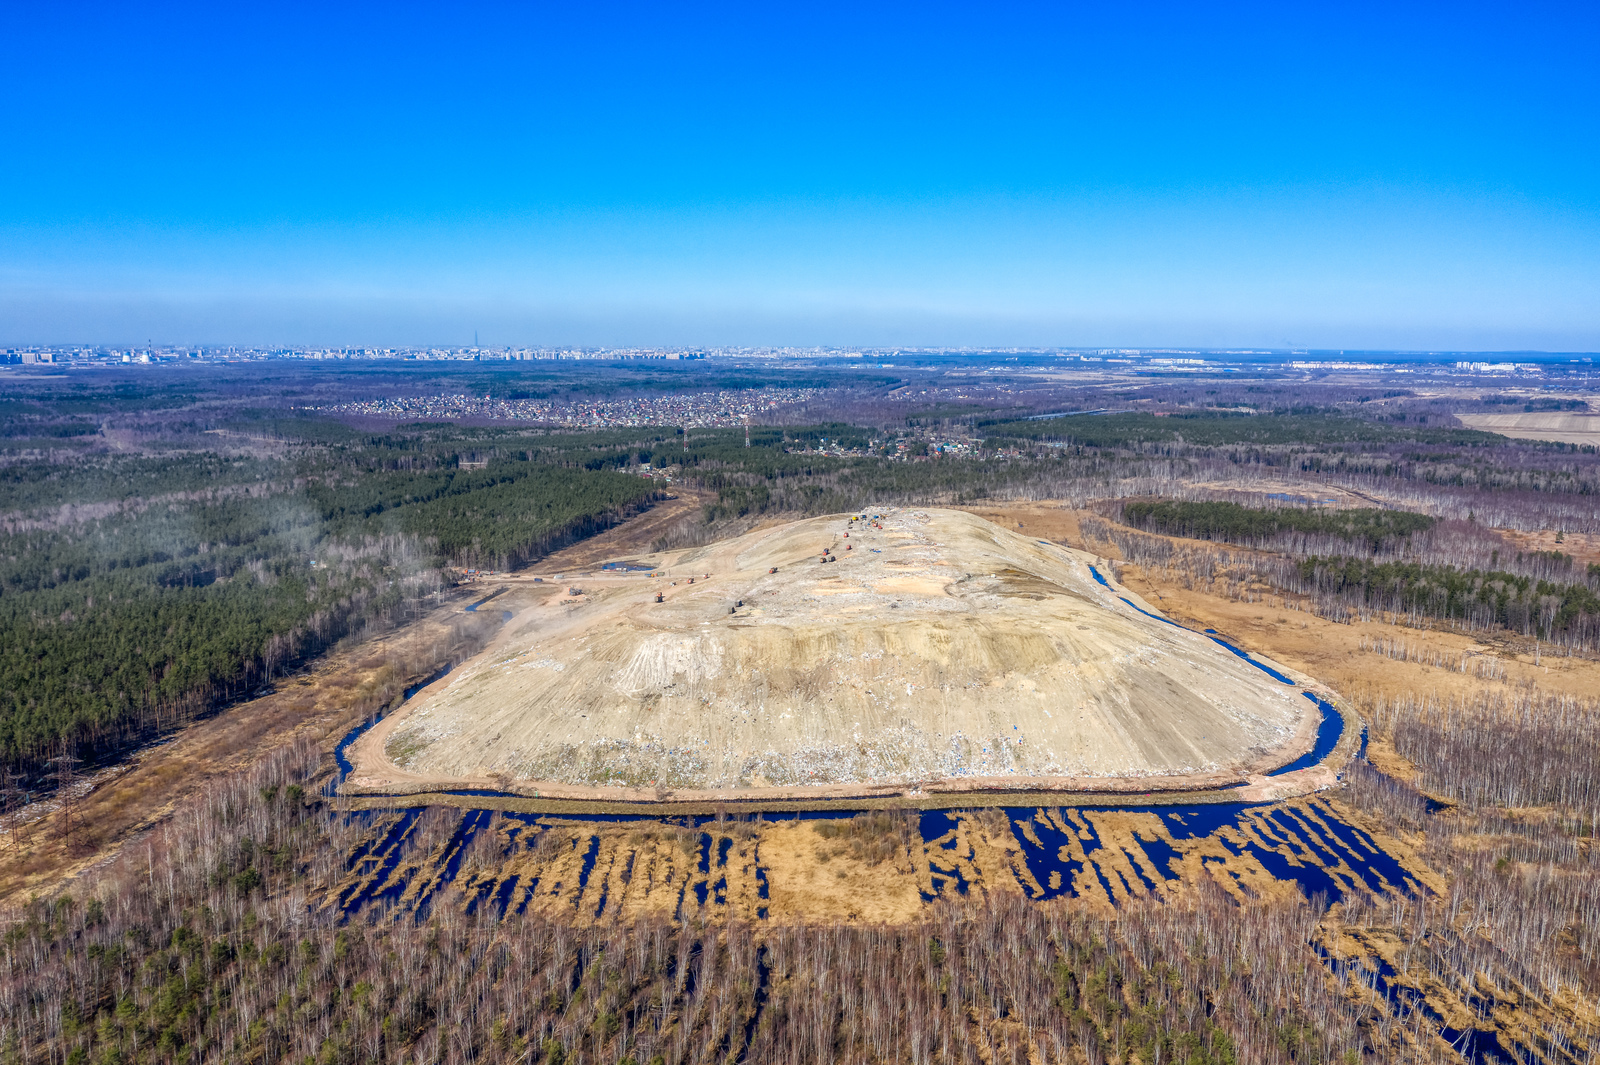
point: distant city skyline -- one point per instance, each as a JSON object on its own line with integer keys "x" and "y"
{"x": 1360, "y": 178}
{"x": 1164, "y": 360}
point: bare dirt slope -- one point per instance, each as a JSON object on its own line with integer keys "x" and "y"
{"x": 635, "y": 534}
{"x": 939, "y": 648}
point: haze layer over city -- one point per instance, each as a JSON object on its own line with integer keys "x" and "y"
{"x": 649, "y": 536}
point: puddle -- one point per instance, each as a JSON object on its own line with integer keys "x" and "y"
{"x": 1101, "y": 854}
{"x": 1112, "y": 853}
{"x": 1477, "y": 1046}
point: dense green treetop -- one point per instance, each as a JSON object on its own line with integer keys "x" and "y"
{"x": 1240, "y": 524}
{"x": 1210, "y": 429}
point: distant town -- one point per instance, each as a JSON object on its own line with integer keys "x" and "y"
{"x": 693, "y": 410}
{"x": 1152, "y": 359}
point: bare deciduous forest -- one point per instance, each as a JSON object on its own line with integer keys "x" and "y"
{"x": 214, "y": 936}
{"x": 213, "y": 940}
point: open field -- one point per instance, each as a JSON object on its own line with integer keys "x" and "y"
{"x": 1366, "y": 661}
{"x": 1539, "y": 425}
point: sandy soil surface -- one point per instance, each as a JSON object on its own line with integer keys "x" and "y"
{"x": 939, "y": 651}
{"x": 1540, "y": 425}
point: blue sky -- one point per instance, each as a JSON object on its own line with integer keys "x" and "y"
{"x": 1197, "y": 174}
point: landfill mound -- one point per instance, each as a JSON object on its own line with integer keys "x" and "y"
{"x": 918, "y": 649}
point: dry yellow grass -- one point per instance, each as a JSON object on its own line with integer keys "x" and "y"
{"x": 1567, "y": 428}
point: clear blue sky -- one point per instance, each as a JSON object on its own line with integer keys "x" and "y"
{"x": 1199, "y": 174}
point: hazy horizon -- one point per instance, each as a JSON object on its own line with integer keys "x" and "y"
{"x": 1355, "y": 178}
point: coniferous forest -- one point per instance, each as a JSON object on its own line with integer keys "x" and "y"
{"x": 139, "y": 590}
{"x": 748, "y": 651}
{"x": 166, "y": 547}
{"x": 170, "y": 545}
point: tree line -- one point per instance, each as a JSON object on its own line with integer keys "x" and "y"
{"x": 198, "y": 944}
{"x": 1565, "y": 613}
{"x": 135, "y": 595}
{"x": 1236, "y": 523}
{"x": 1485, "y": 597}
{"x": 1291, "y": 426}
{"x": 200, "y": 947}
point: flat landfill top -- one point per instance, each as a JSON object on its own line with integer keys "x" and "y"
{"x": 935, "y": 651}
